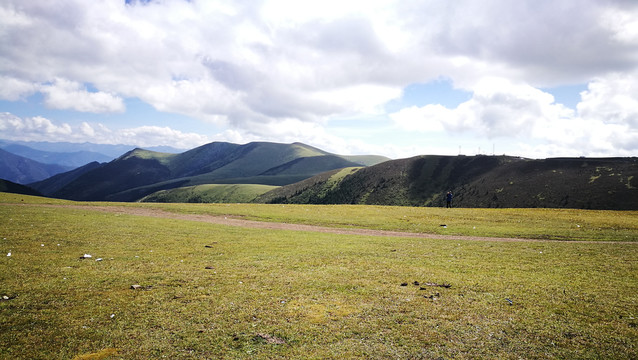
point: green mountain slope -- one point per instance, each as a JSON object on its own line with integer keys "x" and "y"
{"x": 135, "y": 168}
{"x": 57, "y": 182}
{"x": 256, "y": 158}
{"x": 141, "y": 172}
{"x": 476, "y": 181}
{"x": 210, "y": 193}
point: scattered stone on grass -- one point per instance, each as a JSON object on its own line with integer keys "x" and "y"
{"x": 140, "y": 287}
{"x": 432, "y": 297}
{"x": 7, "y": 297}
{"x": 86, "y": 256}
{"x": 416, "y": 283}
{"x": 209, "y": 268}
{"x": 444, "y": 285}
{"x": 271, "y": 339}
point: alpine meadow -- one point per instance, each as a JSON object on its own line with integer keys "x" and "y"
{"x": 210, "y": 281}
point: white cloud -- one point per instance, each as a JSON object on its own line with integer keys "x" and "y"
{"x": 13, "y": 89}
{"x": 606, "y": 122}
{"x": 498, "y": 108}
{"x": 42, "y": 129}
{"x": 622, "y": 22}
{"x": 429, "y": 118}
{"x": 276, "y": 69}
{"x": 612, "y": 99}
{"x": 87, "y": 130}
{"x": 31, "y": 128}
{"x": 156, "y": 135}
{"x": 65, "y": 94}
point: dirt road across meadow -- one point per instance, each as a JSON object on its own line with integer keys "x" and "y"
{"x": 234, "y": 221}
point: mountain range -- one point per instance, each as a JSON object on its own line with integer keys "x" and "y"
{"x": 24, "y": 162}
{"x": 140, "y": 172}
{"x": 475, "y": 181}
{"x": 296, "y": 173}
{"x": 22, "y": 170}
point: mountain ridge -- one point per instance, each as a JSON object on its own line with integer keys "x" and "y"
{"x": 476, "y": 181}
{"x": 139, "y": 172}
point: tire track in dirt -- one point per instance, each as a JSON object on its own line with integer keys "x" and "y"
{"x": 233, "y": 221}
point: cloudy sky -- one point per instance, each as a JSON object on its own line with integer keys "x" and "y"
{"x": 397, "y": 78}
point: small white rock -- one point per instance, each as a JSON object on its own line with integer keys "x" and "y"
{"x": 112, "y": 316}
{"x": 98, "y": 259}
{"x": 87, "y": 256}
{"x": 9, "y": 254}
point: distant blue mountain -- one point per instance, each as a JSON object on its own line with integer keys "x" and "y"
{"x": 111, "y": 151}
{"x": 21, "y": 170}
{"x": 71, "y": 159}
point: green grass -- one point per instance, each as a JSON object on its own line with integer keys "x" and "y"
{"x": 551, "y": 224}
{"x": 162, "y": 158}
{"x": 210, "y": 193}
{"x": 324, "y": 295}
{"x": 556, "y": 224}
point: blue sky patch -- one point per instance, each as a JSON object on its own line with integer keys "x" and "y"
{"x": 568, "y": 95}
{"x": 435, "y": 92}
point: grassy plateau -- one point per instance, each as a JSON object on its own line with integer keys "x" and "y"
{"x": 210, "y": 291}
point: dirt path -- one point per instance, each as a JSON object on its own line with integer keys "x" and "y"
{"x": 233, "y": 221}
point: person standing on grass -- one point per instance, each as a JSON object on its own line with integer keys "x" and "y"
{"x": 448, "y": 199}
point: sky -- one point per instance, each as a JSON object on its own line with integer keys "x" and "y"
{"x": 527, "y": 78}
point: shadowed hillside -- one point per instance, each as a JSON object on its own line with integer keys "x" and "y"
{"x": 11, "y": 187}
{"x": 139, "y": 173}
{"x": 57, "y": 182}
{"x": 476, "y": 181}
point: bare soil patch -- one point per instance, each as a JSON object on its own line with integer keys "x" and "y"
{"x": 234, "y": 221}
